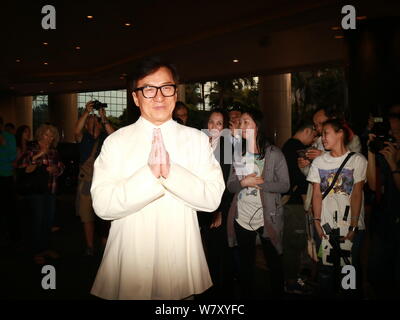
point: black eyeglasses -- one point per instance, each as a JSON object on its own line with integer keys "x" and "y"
{"x": 149, "y": 92}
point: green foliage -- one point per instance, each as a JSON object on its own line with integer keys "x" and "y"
{"x": 241, "y": 91}
{"x": 315, "y": 89}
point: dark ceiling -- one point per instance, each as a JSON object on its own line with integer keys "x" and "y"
{"x": 201, "y": 37}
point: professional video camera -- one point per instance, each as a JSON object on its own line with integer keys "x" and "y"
{"x": 97, "y": 105}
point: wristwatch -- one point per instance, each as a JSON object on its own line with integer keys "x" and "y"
{"x": 352, "y": 228}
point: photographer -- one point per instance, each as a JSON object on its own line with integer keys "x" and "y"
{"x": 384, "y": 181}
{"x": 90, "y": 133}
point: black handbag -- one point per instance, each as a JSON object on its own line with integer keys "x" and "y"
{"x": 35, "y": 182}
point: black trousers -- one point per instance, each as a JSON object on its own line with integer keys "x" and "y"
{"x": 247, "y": 252}
{"x": 219, "y": 257}
{"x": 8, "y": 215}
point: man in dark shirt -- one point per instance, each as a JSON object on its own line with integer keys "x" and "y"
{"x": 294, "y": 235}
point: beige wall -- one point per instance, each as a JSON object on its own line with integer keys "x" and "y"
{"x": 275, "y": 102}
{"x": 17, "y": 110}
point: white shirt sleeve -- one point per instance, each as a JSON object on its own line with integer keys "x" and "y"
{"x": 201, "y": 190}
{"x": 360, "y": 168}
{"x": 313, "y": 174}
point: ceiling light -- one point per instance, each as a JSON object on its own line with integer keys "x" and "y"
{"x": 127, "y": 24}
{"x": 235, "y": 60}
{"x": 17, "y": 60}
{"x": 89, "y": 17}
{"x": 45, "y": 63}
{"x": 45, "y": 43}
{"x": 78, "y": 48}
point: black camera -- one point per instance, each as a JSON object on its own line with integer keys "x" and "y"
{"x": 378, "y": 143}
{"x": 97, "y": 105}
{"x": 381, "y": 131}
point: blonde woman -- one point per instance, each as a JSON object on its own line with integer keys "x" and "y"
{"x": 42, "y": 160}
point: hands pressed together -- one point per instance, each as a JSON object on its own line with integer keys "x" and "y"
{"x": 159, "y": 162}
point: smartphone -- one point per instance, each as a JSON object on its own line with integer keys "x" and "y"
{"x": 302, "y": 153}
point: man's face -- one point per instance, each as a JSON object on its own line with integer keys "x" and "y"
{"x": 319, "y": 118}
{"x": 159, "y": 109}
{"x": 309, "y": 136}
{"x": 182, "y": 114}
{"x": 234, "y": 121}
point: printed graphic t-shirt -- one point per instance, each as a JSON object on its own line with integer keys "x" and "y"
{"x": 250, "y": 212}
{"x": 336, "y": 205}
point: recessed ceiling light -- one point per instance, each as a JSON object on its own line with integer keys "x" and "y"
{"x": 361, "y": 18}
{"x": 235, "y": 60}
{"x": 127, "y": 24}
{"x": 17, "y": 60}
{"x": 78, "y": 48}
{"x": 45, "y": 43}
{"x": 89, "y": 17}
{"x": 335, "y": 28}
{"x": 45, "y": 63}
{"x": 339, "y": 37}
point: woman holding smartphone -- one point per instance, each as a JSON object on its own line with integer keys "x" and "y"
{"x": 258, "y": 180}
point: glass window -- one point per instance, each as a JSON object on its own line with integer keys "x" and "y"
{"x": 115, "y": 107}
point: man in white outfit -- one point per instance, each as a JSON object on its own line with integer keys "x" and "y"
{"x": 150, "y": 179}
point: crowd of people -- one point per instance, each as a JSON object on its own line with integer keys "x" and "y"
{"x": 188, "y": 209}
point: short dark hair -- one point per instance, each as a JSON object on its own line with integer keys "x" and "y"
{"x": 150, "y": 65}
{"x": 338, "y": 125}
{"x": 303, "y": 125}
{"x": 330, "y": 112}
{"x": 235, "y": 108}
{"x": 180, "y": 105}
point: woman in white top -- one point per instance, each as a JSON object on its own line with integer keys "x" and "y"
{"x": 342, "y": 208}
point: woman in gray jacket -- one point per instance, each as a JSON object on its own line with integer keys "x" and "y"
{"x": 258, "y": 178}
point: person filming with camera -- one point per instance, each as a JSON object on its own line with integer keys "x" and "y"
{"x": 383, "y": 176}
{"x": 90, "y": 132}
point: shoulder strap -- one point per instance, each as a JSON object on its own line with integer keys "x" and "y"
{"x": 337, "y": 175}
